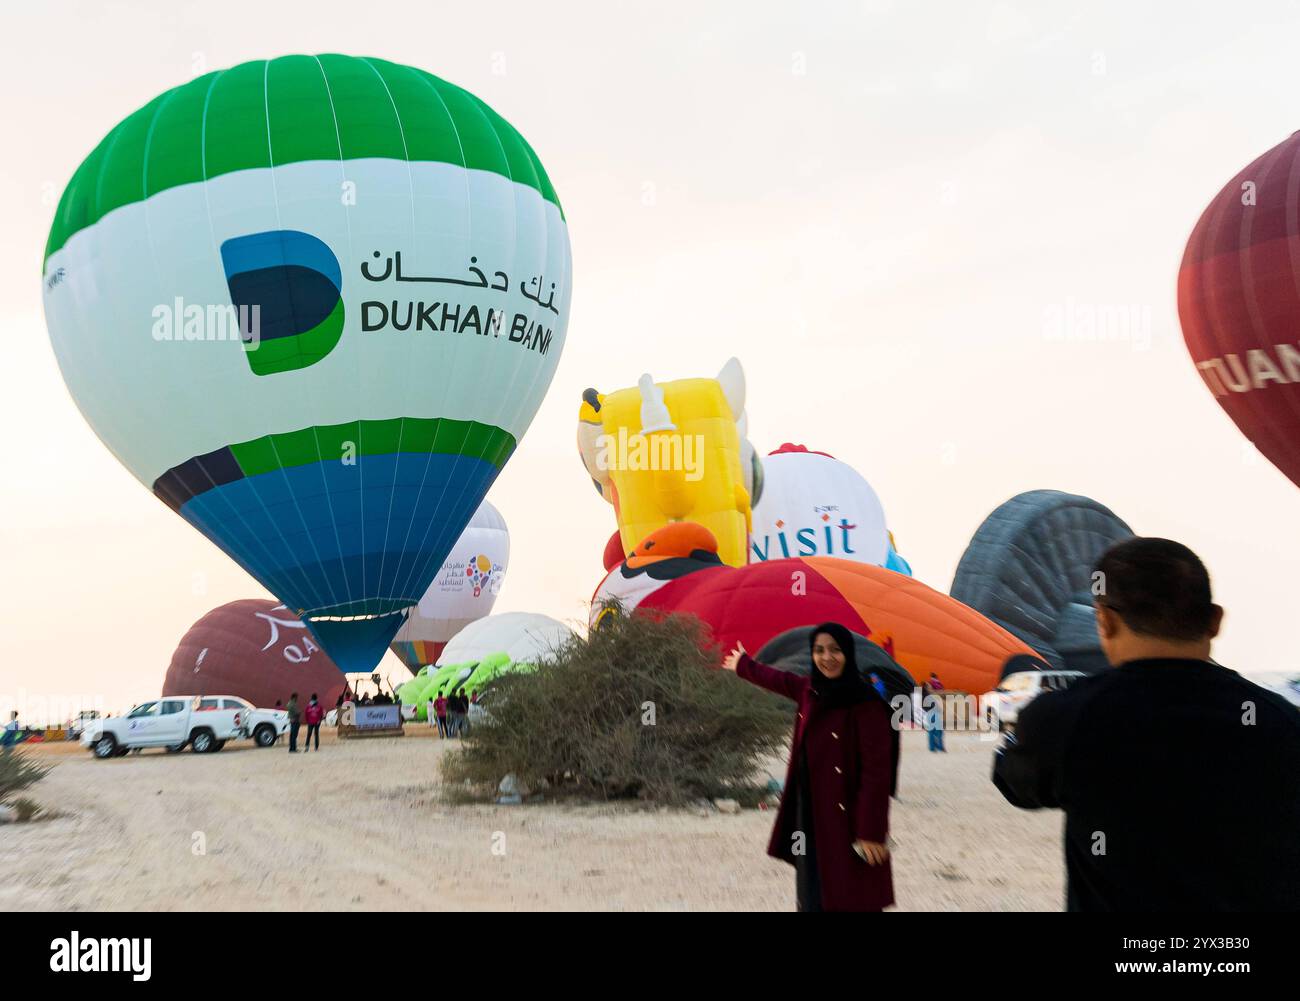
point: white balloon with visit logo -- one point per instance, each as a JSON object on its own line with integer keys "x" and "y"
{"x": 816, "y": 505}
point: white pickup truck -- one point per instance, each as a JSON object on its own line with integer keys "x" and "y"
{"x": 204, "y": 722}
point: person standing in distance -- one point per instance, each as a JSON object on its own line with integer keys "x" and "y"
{"x": 313, "y": 714}
{"x": 1177, "y": 776}
{"x": 295, "y": 720}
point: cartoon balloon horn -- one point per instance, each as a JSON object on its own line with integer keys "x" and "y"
{"x": 654, "y": 414}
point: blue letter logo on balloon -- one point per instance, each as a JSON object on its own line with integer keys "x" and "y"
{"x": 294, "y": 281}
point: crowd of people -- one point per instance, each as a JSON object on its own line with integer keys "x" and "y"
{"x": 451, "y": 713}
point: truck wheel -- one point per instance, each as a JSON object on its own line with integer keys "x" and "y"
{"x": 105, "y": 746}
{"x": 264, "y": 735}
{"x": 201, "y": 741}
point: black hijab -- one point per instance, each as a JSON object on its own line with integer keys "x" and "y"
{"x": 849, "y": 688}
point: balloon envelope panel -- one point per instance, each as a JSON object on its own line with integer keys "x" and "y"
{"x": 256, "y": 649}
{"x": 313, "y": 303}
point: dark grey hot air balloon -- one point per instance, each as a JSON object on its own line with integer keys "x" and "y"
{"x": 1029, "y": 569}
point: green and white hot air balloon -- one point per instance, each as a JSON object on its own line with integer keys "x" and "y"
{"x": 313, "y": 303}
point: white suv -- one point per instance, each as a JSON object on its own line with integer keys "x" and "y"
{"x": 170, "y": 722}
{"x": 264, "y": 726}
{"x": 204, "y": 722}
{"x": 1004, "y": 703}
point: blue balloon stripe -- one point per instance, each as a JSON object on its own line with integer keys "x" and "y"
{"x": 275, "y": 529}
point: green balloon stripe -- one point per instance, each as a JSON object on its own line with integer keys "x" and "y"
{"x": 327, "y": 107}
{"x": 332, "y": 443}
{"x": 357, "y": 438}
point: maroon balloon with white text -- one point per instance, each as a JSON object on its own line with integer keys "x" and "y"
{"x": 1239, "y": 302}
{"x": 257, "y": 649}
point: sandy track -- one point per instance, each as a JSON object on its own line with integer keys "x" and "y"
{"x": 361, "y": 826}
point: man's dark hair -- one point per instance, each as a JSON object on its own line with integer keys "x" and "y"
{"x": 1158, "y": 587}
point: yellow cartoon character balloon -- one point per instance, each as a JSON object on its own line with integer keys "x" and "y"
{"x": 674, "y": 451}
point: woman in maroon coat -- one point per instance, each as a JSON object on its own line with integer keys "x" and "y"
{"x": 834, "y": 817}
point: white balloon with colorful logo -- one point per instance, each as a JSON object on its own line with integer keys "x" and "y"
{"x": 464, "y": 591}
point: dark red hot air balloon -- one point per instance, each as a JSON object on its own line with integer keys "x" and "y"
{"x": 1239, "y": 302}
{"x": 254, "y": 648}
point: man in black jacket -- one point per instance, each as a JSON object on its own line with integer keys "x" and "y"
{"x": 1179, "y": 779}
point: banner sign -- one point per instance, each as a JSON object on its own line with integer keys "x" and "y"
{"x": 376, "y": 717}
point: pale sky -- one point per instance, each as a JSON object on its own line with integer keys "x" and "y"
{"x": 895, "y": 214}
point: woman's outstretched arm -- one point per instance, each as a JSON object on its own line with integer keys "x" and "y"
{"x": 771, "y": 678}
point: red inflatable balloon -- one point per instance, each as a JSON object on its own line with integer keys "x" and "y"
{"x": 1239, "y": 302}
{"x": 677, "y": 570}
{"x": 256, "y": 649}
{"x": 614, "y": 554}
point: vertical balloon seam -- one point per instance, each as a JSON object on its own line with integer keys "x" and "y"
{"x": 419, "y": 571}
{"x": 497, "y": 124}
{"x": 566, "y": 278}
{"x": 410, "y": 342}
{"x": 1259, "y": 430}
{"x": 159, "y": 104}
{"x": 253, "y": 483}
{"x": 419, "y": 575}
{"x": 242, "y": 556}
{"x": 409, "y": 584}
{"x": 1205, "y": 293}
{"x": 1292, "y": 401}
{"x": 1252, "y": 402}
{"x": 414, "y": 572}
{"x": 324, "y": 578}
{"x": 475, "y": 106}
{"x": 511, "y": 391}
{"x": 315, "y": 430}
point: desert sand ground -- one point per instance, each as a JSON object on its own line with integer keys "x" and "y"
{"x": 361, "y": 825}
